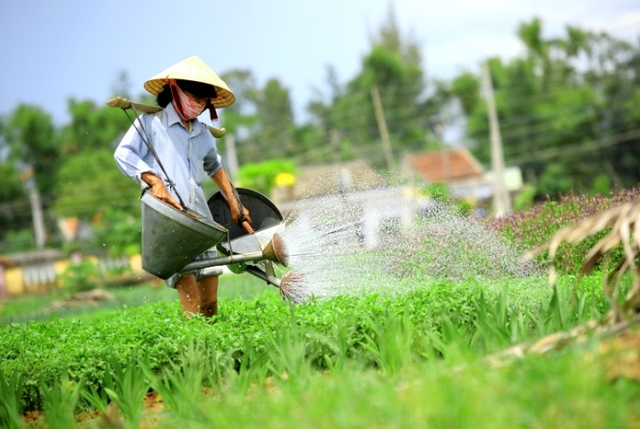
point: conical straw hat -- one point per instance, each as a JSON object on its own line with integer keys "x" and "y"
{"x": 196, "y": 70}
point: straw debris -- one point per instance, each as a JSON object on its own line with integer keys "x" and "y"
{"x": 624, "y": 221}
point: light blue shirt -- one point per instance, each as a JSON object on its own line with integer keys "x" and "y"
{"x": 187, "y": 157}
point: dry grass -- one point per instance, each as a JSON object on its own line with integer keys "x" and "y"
{"x": 624, "y": 221}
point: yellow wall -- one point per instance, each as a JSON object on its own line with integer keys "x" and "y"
{"x": 15, "y": 279}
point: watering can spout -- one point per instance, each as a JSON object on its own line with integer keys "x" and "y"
{"x": 276, "y": 250}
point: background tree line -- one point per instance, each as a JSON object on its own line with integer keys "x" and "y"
{"x": 568, "y": 111}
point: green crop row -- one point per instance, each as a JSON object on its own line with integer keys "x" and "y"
{"x": 383, "y": 331}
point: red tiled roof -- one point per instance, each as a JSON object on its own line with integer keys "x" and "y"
{"x": 445, "y": 166}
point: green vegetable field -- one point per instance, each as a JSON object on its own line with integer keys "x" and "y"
{"x": 422, "y": 352}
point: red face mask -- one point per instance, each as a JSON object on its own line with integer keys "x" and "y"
{"x": 187, "y": 108}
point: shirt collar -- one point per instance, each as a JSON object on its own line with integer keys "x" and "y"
{"x": 172, "y": 115}
{"x": 173, "y": 118}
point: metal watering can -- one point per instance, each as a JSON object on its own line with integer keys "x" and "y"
{"x": 171, "y": 239}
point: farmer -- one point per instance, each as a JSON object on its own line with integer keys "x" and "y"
{"x": 186, "y": 151}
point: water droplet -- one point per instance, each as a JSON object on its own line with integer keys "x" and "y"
{"x": 373, "y": 241}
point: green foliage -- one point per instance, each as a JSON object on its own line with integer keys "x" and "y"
{"x": 262, "y": 176}
{"x": 11, "y": 404}
{"x": 29, "y": 158}
{"x": 601, "y": 185}
{"x": 12, "y": 188}
{"x": 393, "y": 66}
{"x": 18, "y": 240}
{"x": 181, "y": 384}
{"x": 90, "y": 183}
{"x": 525, "y": 199}
{"x": 551, "y": 108}
{"x": 438, "y": 191}
{"x": 441, "y": 193}
{"x": 30, "y": 135}
{"x": 241, "y": 115}
{"x": 59, "y": 401}
{"x": 276, "y": 121}
{"x": 261, "y": 119}
{"x": 79, "y": 277}
{"x": 390, "y": 342}
{"x": 466, "y": 87}
{"x": 555, "y": 180}
{"x": 92, "y": 127}
{"x": 119, "y": 232}
{"x": 126, "y": 388}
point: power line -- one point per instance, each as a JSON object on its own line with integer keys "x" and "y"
{"x": 576, "y": 148}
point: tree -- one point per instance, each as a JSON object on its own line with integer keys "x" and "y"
{"x": 261, "y": 119}
{"x": 11, "y": 184}
{"x": 92, "y": 127}
{"x": 240, "y": 117}
{"x": 393, "y": 66}
{"x": 31, "y": 138}
{"x": 275, "y": 121}
{"x": 565, "y": 124}
{"x": 91, "y": 183}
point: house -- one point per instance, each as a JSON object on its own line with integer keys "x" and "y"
{"x": 459, "y": 169}
{"x": 455, "y": 167}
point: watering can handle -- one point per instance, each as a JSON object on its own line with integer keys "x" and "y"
{"x": 244, "y": 224}
{"x": 242, "y": 220}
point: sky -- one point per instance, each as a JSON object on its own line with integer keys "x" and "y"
{"x": 52, "y": 51}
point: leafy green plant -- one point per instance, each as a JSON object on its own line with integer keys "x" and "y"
{"x": 119, "y": 232}
{"x": 251, "y": 369}
{"x": 441, "y": 194}
{"x": 59, "y": 400}
{"x": 180, "y": 385}
{"x": 127, "y": 390}
{"x": 18, "y": 241}
{"x": 79, "y": 277}
{"x": 96, "y": 396}
{"x": 256, "y": 339}
{"x": 390, "y": 342}
{"x": 11, "y": 405}
{"x": 337, "y": 345}
{"x": 286, "y": 350}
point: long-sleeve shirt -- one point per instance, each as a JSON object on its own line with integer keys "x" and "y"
{"x": 187, "y": 157}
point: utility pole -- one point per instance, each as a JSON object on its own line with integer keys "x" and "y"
{"x": 439, "y": 129}
{"x": 382, "y": 127}
{"x": 232, "y": 157}
{"x": 501, "y": 199}
{"x": 334, "y": 138}
{"x": 36, "y": 206}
